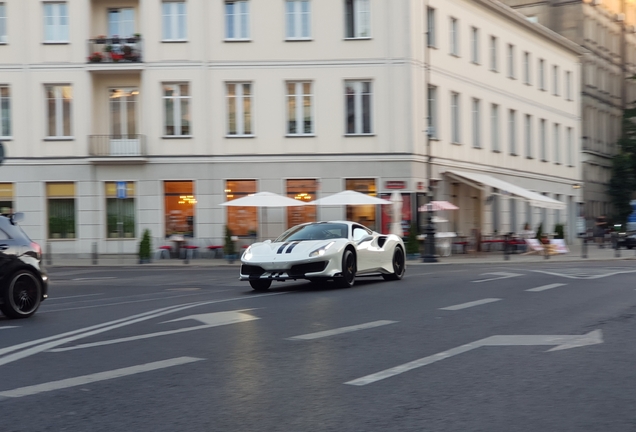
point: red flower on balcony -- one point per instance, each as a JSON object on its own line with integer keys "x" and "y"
{"x": 96, "y": 57}
{"x": 116, "y": 56}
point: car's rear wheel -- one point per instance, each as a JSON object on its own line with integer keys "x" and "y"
{"x": 399, "y": 265}
{"x": 260, "y": 284}
{"x": 22, "y": 296}
{"x": 348, "y": 277}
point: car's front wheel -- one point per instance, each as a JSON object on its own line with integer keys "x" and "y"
{"x": 22, "y": 296}
{"x": 260, "y": 284}
{"x": 399, "y": 265}
{"x": 348, "y": 277}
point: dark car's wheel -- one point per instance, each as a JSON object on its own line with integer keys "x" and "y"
{"x": 260, "y": 284}
{"x": 399, "y": 266}
{"x": 348, "y": 270}
{"x": 22, "y": 296}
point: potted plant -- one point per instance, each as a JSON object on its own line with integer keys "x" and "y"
{"x": 101, "y": 39}
{"x": 96, "y": 57}
{"x": 229, "y": 249}
{"x": 115, "y": 39}
{"x": 144, "y": 248}
{"x": 412, "y": 243}
{"x": 133, "y": 38}
{"x": 108, "y": 48}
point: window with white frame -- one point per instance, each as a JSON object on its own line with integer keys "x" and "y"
{"x": 59, "y": 99}
{"x": 557, "y": 144}
{"x": 526, "y": 67}
{"x": 476, "y": 123}
{"x": 298, "y": 19}
{"x": 555, "y": 80}
{"x": 543, "y": 140}
{"x": 357, "y": 19}
{"x": 493, "y": 54}
{"x": 454, "y": 36}
{"x": 5, "y": 111}
{"x": 494, "y": 127}
{"x": 512, "y": 131}
{"x": 570, "y": 149}
{"x": 237, "y": 20}
{"x": 239, "y": 109}
{"x": 568, "y": 85}
{"x": 474, "y": 45}
{"x": 3, "y": 23}
{"x": 358, "y": 103}
{"x": 432, "y": 112}
{"x": 541, "y": 74}
{"x": 528, "y": 136}
{"x": 455, "y": 132}
{"x": 430, "y": 30}
{"x": 56, "y": 22}
{"x": 176, "y": 102}
{"x": 174, "y": 20}
{"x": 300, "y": 105}
{"x": 511, "y": 61}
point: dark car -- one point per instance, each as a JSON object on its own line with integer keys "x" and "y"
{"x": 23, "y": 280}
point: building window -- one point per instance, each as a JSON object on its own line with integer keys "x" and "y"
{"x": 454, "y": 37}
{"x": 474, "y": 45}
{"x": 568, "y": 85}
{"x": 120, "y": 209}
{"x": 557, "y": 144}
{"x": 6, "y": 198}
{"x": 432, "y": 112}
{"x": 430, "y": 35}
{"x": 511, "y": 61}
{"x": 494, "y": 127}
{"x": 357, "y": 16}
{"x": 58, "y": 102}
{"x": 303, "y": 190}
{"x": 242, "y": 221}
{"x": 176, "y": 100}
{"x": 5, "y": 112}
{"x": 526, "y": 68}
{"x": 543, "y": 137}
{"x": 179, "y": 207}
{"x": 541, "y": 74}
{"x": 358, "y": 105}
{"x": 476, "y": 124}
{"x": 528, "y": 136}
{"x": 239, "y": 109}
{"x": 237, "y": 20}
{"x": 300, "y": 105}
{"x": 298, "y": 19}
{"x": 512, "y": 132}
{"x": 493, "y": 54}
{"x": 61, "y": 210}
{"x": 363, "y": 214}
{"x": 555, "y": 79}
{"x": 570, "y": 144}
{"x": 3, "y": 23}
{"x": 455, "y": 132}
{"x": 56, "y": 22}
{"x": 174, "y": 21}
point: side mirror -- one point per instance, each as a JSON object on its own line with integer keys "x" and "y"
{"x": 17, "y": 217}
{"x": 365, "y": 239}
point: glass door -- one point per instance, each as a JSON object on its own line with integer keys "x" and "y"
{"x": 124, "y": 140}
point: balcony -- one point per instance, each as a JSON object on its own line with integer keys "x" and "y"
{"x": 117, "y": 149}
{"x": 106, "y": 52}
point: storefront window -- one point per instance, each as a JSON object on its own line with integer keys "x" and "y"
{"x": 242, "y": 221}
{"x": 120, "y": 210}
{"x": 61, "y": 210}
{"x": 6, "y": 198}
{"x": 301, "y": 190}
{"x": 179, "y": 206}
{"x": 363, "y": 214}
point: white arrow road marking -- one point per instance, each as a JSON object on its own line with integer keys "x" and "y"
{"x": 471, "y": 304}
{"x": 562, "y": 342}
{"x": 8, "y": 327}
{"x": 545, "y": 287}
{"x": 585, "y": 273}
{"x": 341, "y": 330}
{"x": 101, "y": 376}
{"x": 499, "y": 275}
{"x": 210, "y": 320}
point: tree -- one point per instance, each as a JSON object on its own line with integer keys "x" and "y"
{"x": 229, "y": 249}
{"x": 145, "y": 247}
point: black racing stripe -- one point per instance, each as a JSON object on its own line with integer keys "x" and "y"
{"x": 290, "y": 248}
{"x": 280, "y": 249}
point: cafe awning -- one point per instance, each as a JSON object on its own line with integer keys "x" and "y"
{"x": 483, "y": 181}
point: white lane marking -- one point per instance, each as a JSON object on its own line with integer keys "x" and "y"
{"x": 214, "y": 319}
{"x": 341, "y": 330}
{"x": 44, "y": 344}
{"x": 499, "y": 275}
{"x": 183, "y": 289}
{"x": 545, "y": 287}
{"x": 583, "y": 275}
{"x": 96, "y": 377}
{"x": 562, "y": 342}
{"x": 94, "y": 278}
{"x": 70, "y": 297}
{"x": 8, "y": 327}
{"x": 470, "y": 304}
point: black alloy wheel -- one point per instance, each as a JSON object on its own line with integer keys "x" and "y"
{"x": 399, "y": 265}
{"x": 260, "y": 284}
{"x": 22, "y": 296}
{"x": 348, "y": 270}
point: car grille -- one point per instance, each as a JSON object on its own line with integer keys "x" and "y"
{"x": 314, "y": 267}
{"x": 252, "y": 270}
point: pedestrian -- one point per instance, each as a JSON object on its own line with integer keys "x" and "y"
{"x": 599, "y": 231}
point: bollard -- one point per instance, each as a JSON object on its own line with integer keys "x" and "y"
{"x": 617, "y": 250}
{"x": 94, "y": 253}
{"x": 186, "y": 259}
{"x": 49, "y": 257}
{"x": 546, "y": 249}
{"x": 505, "y": 248}
{"x": 584, "y": 247}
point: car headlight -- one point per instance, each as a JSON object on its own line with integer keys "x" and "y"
{"x": 321, "y": 250}
{"x": 247, "y": 255}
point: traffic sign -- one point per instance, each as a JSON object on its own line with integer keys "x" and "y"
{"x": 121, "y": 190}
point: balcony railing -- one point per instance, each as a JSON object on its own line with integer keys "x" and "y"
{"x": 115, "y": 50}
{"x": 131, "y": 145}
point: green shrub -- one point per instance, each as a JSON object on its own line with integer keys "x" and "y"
{"x": 229, "y": 248}
{"x": 144, "y": 246}
{"x": 412, "y": 244}
{"x": 559, "y": 231}
{"x": 539, "y": 231}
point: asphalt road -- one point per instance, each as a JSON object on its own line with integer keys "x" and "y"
{"x": 541, "y": 347}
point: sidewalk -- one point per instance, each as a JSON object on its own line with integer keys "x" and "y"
{"x": 495, "y": 257}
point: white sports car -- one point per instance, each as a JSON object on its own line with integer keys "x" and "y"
{"x": 319, "y": 251}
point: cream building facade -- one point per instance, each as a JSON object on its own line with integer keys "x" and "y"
{"x": 121, "y": 116}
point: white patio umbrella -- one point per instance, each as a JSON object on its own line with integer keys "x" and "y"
{"x": 349, "y": 197}
{"x": 396, "y": 214}
{"x": 264, "y": 199}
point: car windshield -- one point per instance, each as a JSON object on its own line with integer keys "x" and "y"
{"x": 318, "y": 231}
